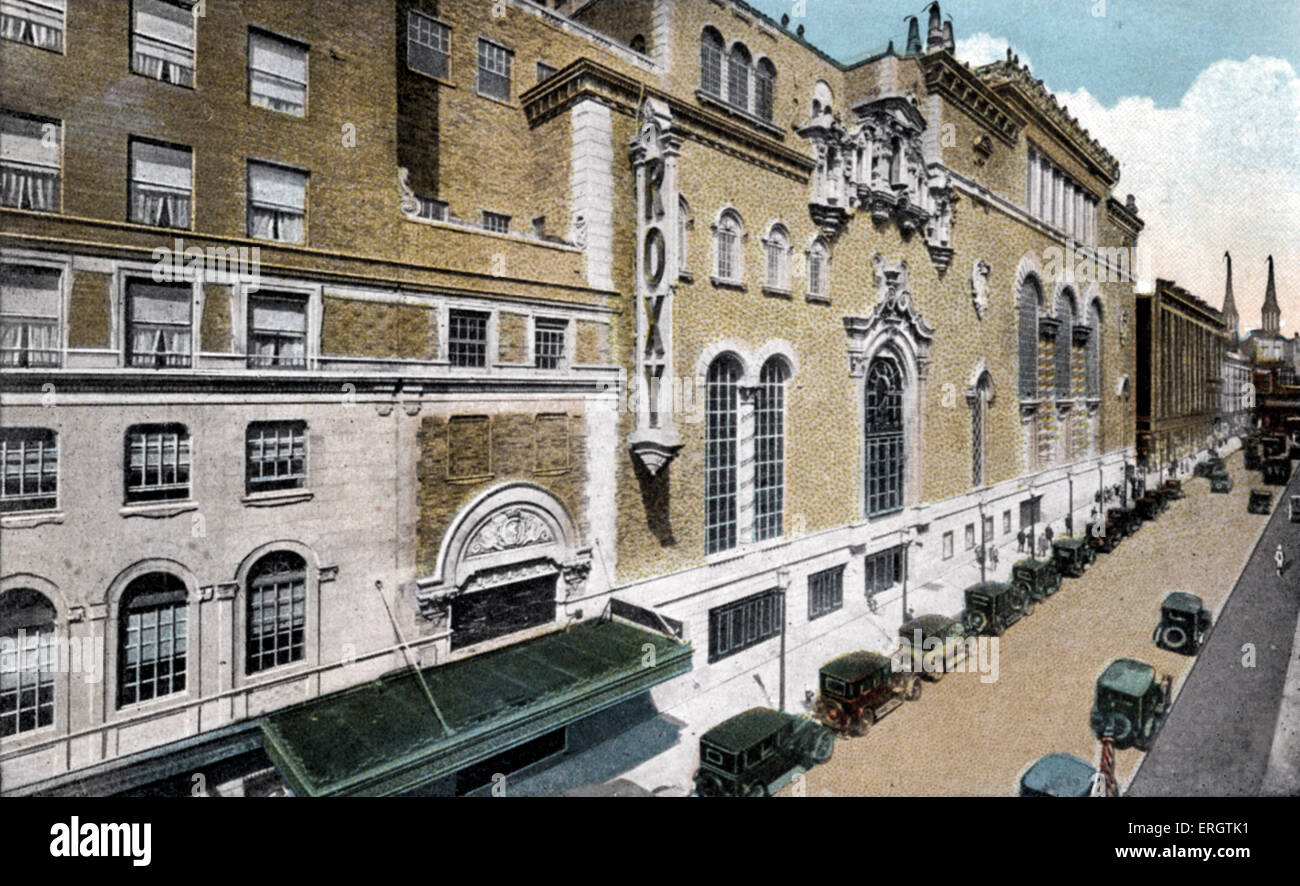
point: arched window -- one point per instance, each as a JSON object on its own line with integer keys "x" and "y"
{"x": 884, "y": 437}
{"x": 720, "y": 455}
{"x": 896, "y": 161}
{"x": 153, "y": 627}
{"x": 638, "y": 43}
{"x": 28, "y": 661}
{"x": 1064, "y": 342}
{"x": 1094, "y": 350}
{"x": 1030, "y": 299}
{"x": 778, "y": 253}
{"x": 729, "y": 234}
{"x": 979, "y": 423}
{"x": 818, "y": 269}
{"x": 711, "y": 62}
{"x": 764, "y": 89}
{"x": 738, "y": 64}
{"x": 276, "y": 611}
{"x": 684, "y": 223}
{"x": 769, "y": 450}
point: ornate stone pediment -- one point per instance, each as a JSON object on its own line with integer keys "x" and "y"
{"x": 507, "y": 530}
{"x": 894, "y": 316}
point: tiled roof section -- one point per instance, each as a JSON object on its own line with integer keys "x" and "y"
{"x": 1011, "y": 73}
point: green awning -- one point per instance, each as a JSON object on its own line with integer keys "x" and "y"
{"x": 384, "y": 737}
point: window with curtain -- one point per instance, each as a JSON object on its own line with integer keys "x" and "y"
{"x": 276, "y": 611}
{"x": 277, "y": 73}
{"x": 28, "y": 661}
{"x": 157, "y": 463}
{"x": 764, "y": 89}
{"x": 29, "y": 461}
{"x": 277, "y": 330}
{"x": 817, "y": 269}
{"x": 1029, "y": 300}
{"x": 275, "y": 456}
{"x": 721, "y": 455}
{"x": 159, "y": 323}
{"x": 711, "y": 63}
{"x": 31, "y": 162}
{"x": 769, "y": 451}
{"x": 277, "y": 202}
{"x": 162, "y": 41}
{"x": 30, "y": 298}
{"x": 884, "y": 437}
{"x": 778, "y": 251}
{"x": 738, "y": 64}
{"x": 428, "y": 45}
{"x": 494, "y": 70}
{"x": 1064, "y": 346}
{"x": 153, "y": 628}
{"x": 161, "y": 184}
{"x": 35, "y": 22}
{"x": 728, "y": 247}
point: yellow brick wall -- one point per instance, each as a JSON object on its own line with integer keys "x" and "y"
{"x": 375, "y": 329}
{"x": 89, "y": 311}
{"x": 215, "y": 332}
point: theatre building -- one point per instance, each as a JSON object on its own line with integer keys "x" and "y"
{"x": 490, "y": 382}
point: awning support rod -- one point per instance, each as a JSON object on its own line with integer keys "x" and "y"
{"x": 406, "y": 650}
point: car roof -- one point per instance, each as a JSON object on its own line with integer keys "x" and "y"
{"x": 745, "y": 729}
{"x": 992, "y": 588}
{"x": 1059, "y": 775}
{"x": 1071, "y": 541}
{"x": 1127, "y": 676}
{"x": 1032, "y": 563}
{"x": 928, "y": 625}
{"x": 1182, "y": 600}
{"x": 854, "y": 665}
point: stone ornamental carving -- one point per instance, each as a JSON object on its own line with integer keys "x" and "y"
{"x": 575, "y": 577}
{"x": 893, "y": 315}
{"x": 979, "y": 284}
{"x": 510, "y": 529}
{"x": 410, "y": 205}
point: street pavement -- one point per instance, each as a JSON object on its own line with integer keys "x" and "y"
{"x": 1218, "y": 737}
{"x": 967, "y": 737}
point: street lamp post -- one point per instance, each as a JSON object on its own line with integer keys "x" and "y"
{"x": 782, "y": 583}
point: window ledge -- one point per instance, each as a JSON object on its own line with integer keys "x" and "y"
{"x": 686, "y": 276}
{"x": 30, "y": 520}
{"x": 159, "y": 509}
{"x": 736, "y": 111}
{"x": 817, "y": 299}
{"x": 723, "y": 283}
{"x": 778, "y": 292}
{"x": 492, "y": 98}
{"x": 277, "y": 497}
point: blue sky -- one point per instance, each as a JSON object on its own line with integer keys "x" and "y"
{"x": 1198, "y": 99}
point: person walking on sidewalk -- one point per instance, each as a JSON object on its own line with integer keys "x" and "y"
{"x": 1279, "y": 557}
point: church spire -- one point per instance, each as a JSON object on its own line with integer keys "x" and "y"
{"x": 1272, "y": 314}
{"x": 1230, "y": 318}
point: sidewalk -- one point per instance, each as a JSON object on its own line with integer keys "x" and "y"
{"x": 1282, "y": 778}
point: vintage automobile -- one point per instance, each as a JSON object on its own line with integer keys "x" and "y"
{"x": 1173, "y": 490}
{"x": 1126, "y": 518}
{"x": 1207, "y": 467}
{"x": 1221, "y": 481}
{"x": 1036, "y": 578}
{"x": 1148, "y": 506}
{"x": 994, "y": 606}
{"x": 1073, "y": 555}
{"x": 1058, "y": 775}
{"x": 1105, "y": 537}
{"x": 1272, "y": 446}
{"x": 1261, "y": 502}
{"x": 929, "y": 645}
{"x": 1277, "y": 471}
{"x": 859, "y": 688}
{"x": 1130, "y": 703}
{"x": 1184, "y": 622}
{"x": 758, "y": 752}
{"x": 1250, "y": 455}
{"x": 1294, "y": 505}
{"x": 1293, "y": 452}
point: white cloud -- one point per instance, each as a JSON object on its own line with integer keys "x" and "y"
{"x": 983, "y": 49}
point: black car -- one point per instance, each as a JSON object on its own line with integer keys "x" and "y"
{"x": 1184, "y": 623}
{"x": 994, "y": 606}
{"x": 758, "y": 752}
{"x": 1277, "y": 471}
{"x": 1130, "y": 703}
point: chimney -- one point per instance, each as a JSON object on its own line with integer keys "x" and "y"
{"x": 934, "y": 39}
{"x": 1230, "y": 318}
{"x": 913, "y": 36}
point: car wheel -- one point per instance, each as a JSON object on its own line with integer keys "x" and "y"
{"x": 976, "y": 622}
{"x": 754, "y": 790}
{"x": 913, "y": 690}
{"x": 1121, "y": 729}
{"x": 1026, "y": 589}
{"x": 1029, "y": 606}
{"x": 822, "y": 748}
{"x": 1174, "y": 637}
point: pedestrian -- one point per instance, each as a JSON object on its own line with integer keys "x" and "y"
{"x": 1279, "y": 557}
{"x": 1048, "y": 532}
{"x": 1020, "y": 541}
{"x": 1069, "y": 524}
{"x": 993, "y": 557}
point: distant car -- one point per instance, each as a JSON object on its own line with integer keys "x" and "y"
{"x": 758, "y": 752}
{"x": 1173, "y": 490}
{"x": 1130, "y": 703}
{"x": 1058, "y": 775}
{"x": 1277, "y": 471}
{"x": 1207, "y": 467}
{"x": 1104, "y": 537}
{"x": 994, "y": 606}
{"x": 1037, "y": 579}
{"x": 859, "y": 688}
{"x": 1293, "y": 452}
{"x": 1251, "y": 457}
{"x": 1184, "y": 623}
{"x": 1148, "y": 506}
{"x": 1126, "y": 518}
{"x": 1220, "y": 481}
{"x": 1294, "y": 506}
{"x": 1073, "y": 555}
{"x": 929, "y": 644}
{"x": 1272, "y": 446}
{"x": 1261, "y": 502}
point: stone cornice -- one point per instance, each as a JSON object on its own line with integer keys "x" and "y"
{"x": 585, "y": 79}
{"x": 960, "y": 85}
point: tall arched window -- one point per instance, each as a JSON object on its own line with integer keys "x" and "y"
{"x": 769, "y": 450}
{"x": 778, "y": 253}
{"x": 884, "y": 437}
{"x": 1030, "y": 299}
{"x": 276, "y": 611}
{"x": 720, "y": 455}
{"x": 738, "y": 64}
{"x": 684, "y": 223}
{"x": 28, "y": 661}
{"x": 1094, "y": 350}
{"x": 764, "y": 89}
{"x": 153, "y": 633}
{"x": 711, "y": 62}
{"x": 729, "y": 233}
{"x": 979, "y": 437}
{"x": 1064, "y": 343}
{"x": 818, "y": 269}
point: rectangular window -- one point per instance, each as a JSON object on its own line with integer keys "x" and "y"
{"x": 726, "y": 254}
{"x": 825, "y": 592}
{"x": 947, "y": 545}
{"x": 496, "y": 222}
{"x": 28, "y": 665}
{"x": 154, "y": 635}
{"x": 277, "y": 330}
{"x": 35, "y": 22}
{"x": 277, "y": 73}
{"x": 162, "y": 41}
{"x": 988, "y": 530}
{"x": 970, "y": 536}
{"x": 161, "y": 184}
{"x": 276, "y": 453}
{"x": 158, "y": 324}
{"x": 31, "y": 162}
{"x": 769, "y": 453}
{"x": 277, "y": 202}
{"x": 745, "y": 623}
{"x": 29, "y": 458}
{"x": 1029, "y": 513}
{"x": 157, "y": 463}
{"x": 467, "y": 335}
{"x": 277, "y": 616}
{"x": 1006, "y": 522}
{"x": 884, "y": 570}
{"x": 544, "y": 72}
{"x": 432, "y": 208}
{"x": 428, "y": 45}
{"x": 548, "y": 342}
{"x": 494, "y": 70}
{"x": 29, "y": 316}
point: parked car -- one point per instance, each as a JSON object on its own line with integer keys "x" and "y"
{"x": 859, "y": 688}
{"x": 1184, "y": 623}
{"x": 1035, "y": 578}
{"x": 1250, "y": 455}
{"x": 1295, "y": 509}
{"x": 1105, "y": 537}
{"x": 1073, "y": 555}
{"x": 1148, "y": 506}
{"x": 1058, "y": 775}
{"x": 1277, "y": 471}
{"x": 1208, "y": 466}
{"x": 994, "y": 606}
{"x": 1220, "y": 481}
{"x": 929, "y": 644}
{"x": 1126, "y": 518}
{"x": 1293, "y": 452}
{"x": 1173, "y": 490}
{"x": 1130, "y": 703}
{"x": 1261, "y": 502}
{"x": 1272, "y": 446}
{"x": 758, "y": 752}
